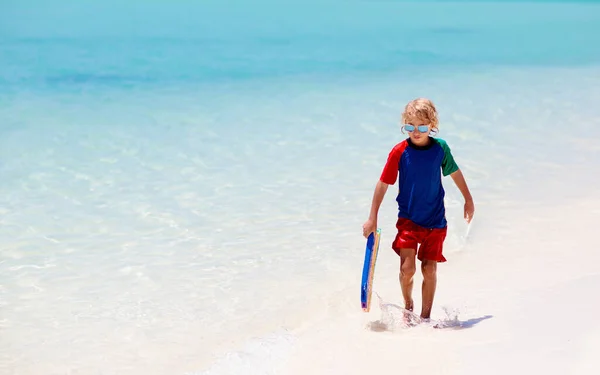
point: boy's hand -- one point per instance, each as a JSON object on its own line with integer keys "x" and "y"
{"x": 469, "y": 210}
{"x": 369, "y": 227}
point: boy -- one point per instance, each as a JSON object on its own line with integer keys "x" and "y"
{"x": 418, "y": 164}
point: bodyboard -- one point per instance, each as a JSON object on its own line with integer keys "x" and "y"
{"x": 366, "y": 288}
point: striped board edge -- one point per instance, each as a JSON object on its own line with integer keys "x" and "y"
{"x": 369, "y": 269}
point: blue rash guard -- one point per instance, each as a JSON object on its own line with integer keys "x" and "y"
{"x": 419, "y": 171}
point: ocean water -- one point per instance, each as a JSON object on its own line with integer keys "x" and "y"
{"x": 183, "y": 184}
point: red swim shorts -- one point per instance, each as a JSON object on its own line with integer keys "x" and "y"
{"x": 410, "y": 235}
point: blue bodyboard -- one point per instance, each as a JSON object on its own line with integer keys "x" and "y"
{"x": 368, "y": 272}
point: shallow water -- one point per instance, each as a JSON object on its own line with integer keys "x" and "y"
{"x": 172, "y": 188}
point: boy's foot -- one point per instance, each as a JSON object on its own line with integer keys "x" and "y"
{"x": 409, "y": 318}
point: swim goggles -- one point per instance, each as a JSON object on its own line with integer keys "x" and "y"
{"x": 411, "y": 128}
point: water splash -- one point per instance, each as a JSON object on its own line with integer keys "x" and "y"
{"x": 394, "y": 318}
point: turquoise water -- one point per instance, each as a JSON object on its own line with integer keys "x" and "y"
{"x": 176, "y": 176}
{"x": 158, "y": 43}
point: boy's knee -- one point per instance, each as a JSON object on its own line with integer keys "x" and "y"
{"x": 429, "y": 269}
{"x": 407, "y": 269}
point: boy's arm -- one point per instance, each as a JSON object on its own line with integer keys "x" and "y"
{"x": 378, "y": 194}
{"x": 371, "y": 224}
{"x": 460, "y": 182}
{"x": 388, "y": 177}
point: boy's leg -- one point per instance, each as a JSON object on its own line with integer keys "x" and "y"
{"x": 429, "y": 270}
{"x": 407, "y": 271}
{"x": 430, "y": 254}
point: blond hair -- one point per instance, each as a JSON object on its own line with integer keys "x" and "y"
{"x": 422, "y": 109}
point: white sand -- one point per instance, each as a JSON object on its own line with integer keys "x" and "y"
{"x": 525, "y": 291}
{"x": 521, "y": 296}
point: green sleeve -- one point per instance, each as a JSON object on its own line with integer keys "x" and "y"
{"x": 448, "y": 164}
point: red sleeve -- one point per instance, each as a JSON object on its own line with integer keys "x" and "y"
{"x": 390, "y": 171}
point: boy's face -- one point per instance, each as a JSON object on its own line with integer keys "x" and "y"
{"x": 418, "y": 137}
